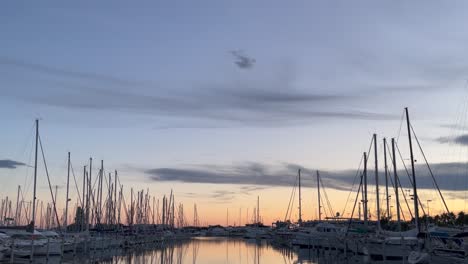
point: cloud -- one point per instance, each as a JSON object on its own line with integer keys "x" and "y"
{"x": 242, "y": 61}
{"x": 217, "y": 195}
{"x": 450, "y": 176}
{"x": 460, "y": 140}
{"x": 10, "y": 164}
{"x": 247, "y": 174}
{"x": 35, "y": 67}
{"x": 273, "y": 101}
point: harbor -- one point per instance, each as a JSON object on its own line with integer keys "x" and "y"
{"x": 207, "y": 132}
{"x": 108, "y": 223}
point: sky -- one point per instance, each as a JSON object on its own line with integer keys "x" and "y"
{"x": 224, "y": 101}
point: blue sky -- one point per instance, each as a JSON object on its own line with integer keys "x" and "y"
{"x": 155, "y": 85}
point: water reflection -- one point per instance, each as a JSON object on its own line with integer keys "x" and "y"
{"x": 212, "y": 251}
{"x": 203, "y": 250}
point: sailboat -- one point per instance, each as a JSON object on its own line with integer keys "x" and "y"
{"x": 257, "y": 230}
{"x": 29, "y": 242}
{"x": 322, "y": 234}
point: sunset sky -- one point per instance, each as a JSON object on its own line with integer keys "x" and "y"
{"x": 222, "y": 101}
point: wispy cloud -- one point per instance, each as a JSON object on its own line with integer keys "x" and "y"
{"x": 222, "y": 196}
{"x": 269, "y": 102}
{"x": 450, "y": 176}
{"x": 10, "y": 164}
{"x": 61, "y": 72}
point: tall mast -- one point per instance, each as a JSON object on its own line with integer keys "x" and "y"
{"x": 109, "y": 200}
{"x": 415, "y": 192}
{"x": 131, "y": 207}
{"x": 396, "y": 184}
{"x": 41, "y": 216}
{"x": 258, "y": 209}
{"x": 89, "y": 193}
{"x": 377, "y": 180}
{"x": 318, "y": 196}
{"x": 365, "y": 191}
{"x": 17, "y": 206}
{"x": 173, "y": 210}
{"x": 66, "y": 201}
{"x": 83, "y": 199}
{"x": 115, "y": 196}
{"x": 120, "y": 204}
{"x": 163, "y": 219}
{"x": 386, "y": 178}
{"x": 300, "y": 197}
{"x": 101, "y": 175}
{"x": 90, "y": 176}
{"x": 35, "y": 180}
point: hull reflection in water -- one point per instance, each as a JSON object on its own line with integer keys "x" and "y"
{"x": 212, "y": 250}
{"x": 204, "y": 250}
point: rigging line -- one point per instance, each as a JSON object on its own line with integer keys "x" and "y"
{"x": 395, "y": 185}
{"x": 409, "y": 177}
{"x": 357, "y": 173}
{"x": 430, "y": 170}
{"x": 328, "y": 200}
{"x": 293, "y": 201}
{"x": 330, "y": 208}
{"x": 27, "y": 184}
{"x": 28, "y": 145}
{"x": 354, "y": 207}
{"x": 125, "y": 207}
{"x": 401, "y": 125}
{"x": 290, "y": 199}
{"x": 125, "y": 204}
{"x": 76, "y": 185}
{"x": 50, "y": 186}
{"x": 399, "y": 182}
{"x": 352, "y": 186}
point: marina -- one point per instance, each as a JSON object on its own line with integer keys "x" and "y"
{"x": 207, "y": 132}
{"x": 106, "y": 224}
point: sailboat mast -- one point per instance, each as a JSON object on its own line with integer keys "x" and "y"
{"x": 386, "y": 178}
{"x": 115, "y": 196}
{"x": 377, "y": 180}
{"x": 90, "y": 176}
{"x": 83, "y": 199}
{"x": 396, "y": 184}
{"x": 101, "y": 176}
{"x": 258, "y": 209}
{"x": 415, "y": 192}
{"x": 365, "y": 191}
{"x": 318, "y": 196}
{"x": 300, "y": 197}
{"x": 17, "y": 205}
{"x": 35, "y": 179}
{"x": 66, "y": 201}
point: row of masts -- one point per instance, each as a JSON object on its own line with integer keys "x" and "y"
{"x": 396, "y": 181}
{"x": 95, "y": 207}
{"x": 363, "y": 188}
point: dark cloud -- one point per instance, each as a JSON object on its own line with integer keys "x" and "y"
{"x": 460, "y": 140}
{"x": 242, "y": 61}
{"x": 247, "y": 174}
{"x": 10, "y": 164}
{"x": 450, "y": 176}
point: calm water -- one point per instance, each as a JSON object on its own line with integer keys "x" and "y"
{"x": 213, "y": 251}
